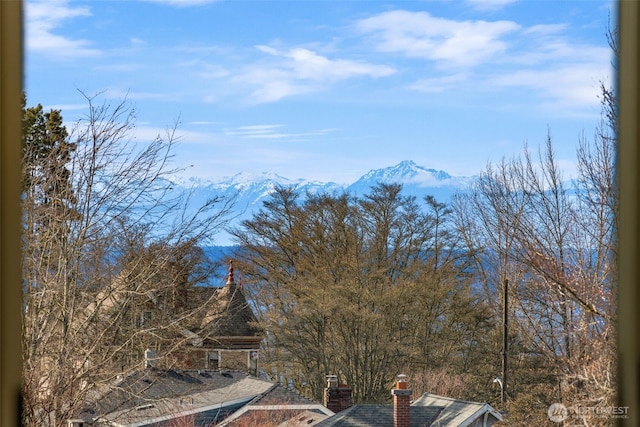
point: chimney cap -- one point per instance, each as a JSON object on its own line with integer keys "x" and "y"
{"x": 332, "y": 380}
{"x": 401, "y": 384}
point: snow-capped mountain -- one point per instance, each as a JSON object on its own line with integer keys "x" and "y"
{"x": 251, "y": 190}
{"x": 407, "y": 171}
{"x": 416, "y": 180}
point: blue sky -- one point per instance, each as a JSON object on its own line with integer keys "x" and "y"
{"x": 327, "y": 90}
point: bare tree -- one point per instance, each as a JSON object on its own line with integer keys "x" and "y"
{"x": 358, "y": 287}
{"x": 100, "y": 238}
{"x": 556, "y": 248}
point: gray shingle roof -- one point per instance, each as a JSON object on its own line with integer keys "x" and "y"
{"x": 280, "y": 405}
{"x": 231, "y": 315}
{"x": 428, "y": 410}
{"x": 379, "y": 416}
{"x": 154, "y": 394}
{"x": 280, "y": 395}
{"x": 458, "y": 413}
{"x": 304, "y": 419}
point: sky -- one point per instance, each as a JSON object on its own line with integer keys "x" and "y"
{"x": 329, "y": 89}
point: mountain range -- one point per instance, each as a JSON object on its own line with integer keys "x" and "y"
{"x": 251, "y": 190}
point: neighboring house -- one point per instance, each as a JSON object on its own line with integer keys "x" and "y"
{"x": 218, "y": 346}
{"x": 218, "y": 385}
{"x": 428, "y": 410}
{"x": 157, "y": 397}
{"x": 215, "y": 327}
{"x": 228, "y": 336}
{"x": 163, "y": 398}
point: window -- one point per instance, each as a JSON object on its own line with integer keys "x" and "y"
{"x": 213, "y": 359}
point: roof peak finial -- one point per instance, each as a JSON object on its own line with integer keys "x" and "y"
{"x": 230, "y": 278}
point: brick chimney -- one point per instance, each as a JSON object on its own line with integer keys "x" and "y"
{"x": 337, "y": 397}
{"x": 401, "y": 402}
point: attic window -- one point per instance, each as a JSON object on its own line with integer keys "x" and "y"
{"x": 213, "y": 359}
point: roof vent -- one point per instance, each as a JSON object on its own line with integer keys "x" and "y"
{"x": 145, "y": 407}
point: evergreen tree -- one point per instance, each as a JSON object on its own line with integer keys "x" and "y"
{"x": 46, "y": 154}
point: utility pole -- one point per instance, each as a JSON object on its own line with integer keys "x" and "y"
{"x": 505, "y": 337}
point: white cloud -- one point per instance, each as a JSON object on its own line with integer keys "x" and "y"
{"x": 490, "y": 5}
{"x": 563, "y": 75}
{"x": 541, "y": 59}
{"x": 545, "y": 29}
{"x": 556, "y": 52}
{"x": 567, "y": 88}
{"x": 254, "y": 131}
{"x": 43, "y": 18}
{"x": 120, "y": 94}
{"x": 267, "y": 49}
{"x": 311, "y": 66}
{"x": 146, "y": 133}
{"x": 297, "y": 71}
{"x": 66, "y": 107}
{"x": 304, "y": 64}
{"x": 211, "y": 71}
{"x": 447, "y": 42}
{"x": 273, "y": 85}
{"x": 273, "y": 132}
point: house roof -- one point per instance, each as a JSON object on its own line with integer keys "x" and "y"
{"x": 282, "y": 415}
{"x": 217, "y": 315}
{"x": 279, "y": 395}
{"x": 231, "y": 315}
{"x": 282, "y": 405}
{"x": 152, "y": 395}
{"x": 305, "y": 418}
{"x": 428, "y": 410}
{"x": 380, "y": 416}
{"x": 459, "y": 413}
